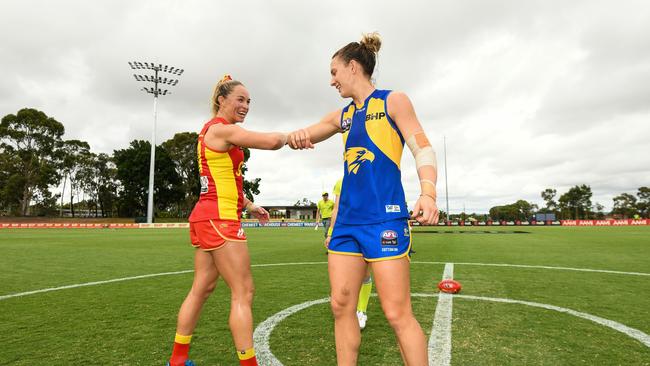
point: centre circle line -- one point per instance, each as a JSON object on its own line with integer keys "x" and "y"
{"x": 262, "y": 334}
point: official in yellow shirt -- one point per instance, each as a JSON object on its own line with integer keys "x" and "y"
{"x": 324, "y": 212}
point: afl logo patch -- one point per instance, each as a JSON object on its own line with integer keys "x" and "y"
{"x": 388, "y": 237}
{"x": 345, "y": 124}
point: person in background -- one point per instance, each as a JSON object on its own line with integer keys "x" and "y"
{"x": 324, "y": 212}
{"x": 366, "y": 286}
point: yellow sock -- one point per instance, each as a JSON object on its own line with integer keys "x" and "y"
{"x": 364, "y": 295}
{"x": 183, "y": 339}
{"x": 247, "y": 357}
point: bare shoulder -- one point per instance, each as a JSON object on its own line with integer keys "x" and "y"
{"x": 399, "y": 103}
{"x": 398, "y": 98}
{"x": 218, "y": 136}
{"x": 223, "y": 130}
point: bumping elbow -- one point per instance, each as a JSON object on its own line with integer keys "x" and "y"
{"x": 279, "y": 142}
{"x": 278, "y": 145}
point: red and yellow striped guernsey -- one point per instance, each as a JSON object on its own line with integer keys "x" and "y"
{"x": 221, "y": 195}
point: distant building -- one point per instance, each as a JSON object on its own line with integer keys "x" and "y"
{"x": 292, "y": 212}
{"x": 545, "y": 217}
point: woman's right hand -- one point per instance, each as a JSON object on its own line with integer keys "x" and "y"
{"x": 327, "y": 242}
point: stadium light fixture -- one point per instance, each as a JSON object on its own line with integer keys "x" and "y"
{"x": 156, "y": 91}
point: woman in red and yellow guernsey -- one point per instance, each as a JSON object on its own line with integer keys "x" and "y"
{"x": 215, "y": 226}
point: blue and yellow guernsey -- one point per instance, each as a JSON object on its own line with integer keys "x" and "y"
{"x": 372, "y": 189}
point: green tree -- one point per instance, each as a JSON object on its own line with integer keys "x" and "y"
{"x": 625, "y": 205}
{"x": 97, "y": 179}
{"x": 105, "y": 183}
{"x": 132, "y": 166}
{"x": 525, "y": 209}
{"x": 547, "y": 195}
{"x": 44, "y": 206}
{"x": 643, "y": 201}
{"x": 11, "y": 181}
{"x": 75, "y": 155}
{"x": 598, "y": 210}
{"x": 505, "y": 212}
{"x": 34, "y": 138}
{"x": 251, "y": 188}
{"x": 87, "y": 182}
{"x": 576, "y": 203}
{"x": 520, "y": 210}
{"x": 182, "y": 151}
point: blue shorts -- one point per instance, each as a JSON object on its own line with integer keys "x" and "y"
{"x": 374, "y": 242}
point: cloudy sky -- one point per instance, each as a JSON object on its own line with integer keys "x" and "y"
{"x": 529, "y": 94}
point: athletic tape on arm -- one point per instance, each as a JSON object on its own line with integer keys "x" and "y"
{"x": 422, "y": 150}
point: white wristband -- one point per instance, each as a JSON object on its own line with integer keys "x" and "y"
{"x": 422, "y": 151}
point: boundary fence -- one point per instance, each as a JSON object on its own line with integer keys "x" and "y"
{"x": 249, "y": 224}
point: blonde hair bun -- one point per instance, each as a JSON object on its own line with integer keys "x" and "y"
{"x": 371, "y": 41}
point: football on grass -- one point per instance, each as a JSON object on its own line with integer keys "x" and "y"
{"x": 449, "y": 286}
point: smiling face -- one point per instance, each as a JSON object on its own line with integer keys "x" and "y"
{"x": 342, "y": 76}
{"x": 234, "y": 106}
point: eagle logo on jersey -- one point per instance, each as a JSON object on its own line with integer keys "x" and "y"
{"x": 355, "y": 156}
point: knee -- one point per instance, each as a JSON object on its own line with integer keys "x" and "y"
{"x": 203, "y": 292}
{"x": 243, "y": 292}
{"x": 341, "y": 302}
{"x": 397, "y": 316}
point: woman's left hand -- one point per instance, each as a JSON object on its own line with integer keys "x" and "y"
{"x": 426, "y": 210}
{"x": 260, "y": 213}
{"x": 299, "y": 140}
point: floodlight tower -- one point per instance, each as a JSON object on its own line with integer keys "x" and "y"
{"x": 156, "y": 91}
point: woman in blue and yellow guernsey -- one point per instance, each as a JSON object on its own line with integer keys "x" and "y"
{"x": 215, "y": 226}
{"x": 371, "y": 225}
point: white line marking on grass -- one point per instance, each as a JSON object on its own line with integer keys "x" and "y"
{"x": 628, "y": 331}
{"x": 19, "y": 294}
{"x": 3, "y": 297}
{"x": 541, "y": 267}
{"x": 263, "y": 331}
{"x": 439, "y": 347}
{"x": 8, "y": 296}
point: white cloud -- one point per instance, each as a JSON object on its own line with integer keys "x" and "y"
{"x": 530, "y": 95}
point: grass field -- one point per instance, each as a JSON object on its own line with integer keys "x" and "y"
{"x": 132, "y": 322}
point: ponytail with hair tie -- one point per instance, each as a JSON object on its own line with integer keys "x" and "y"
{"x": 225, "y": 78}
{"x": 364, "y": 52}
{"x": 224, "y": 87}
